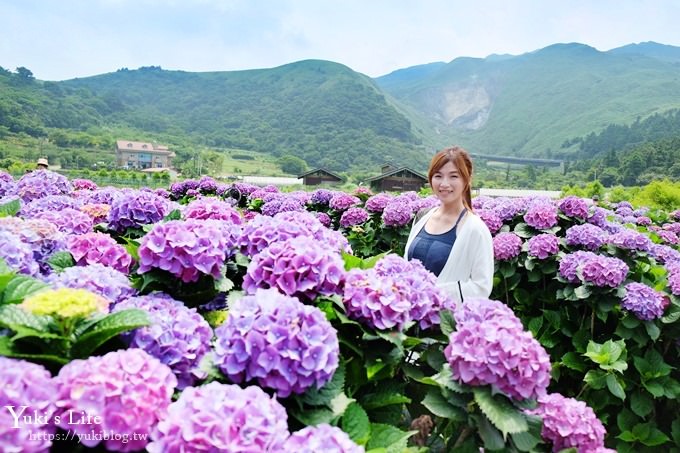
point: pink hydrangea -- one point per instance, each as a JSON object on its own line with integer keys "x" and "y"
{"x": 222, "y": 418}
{"x": 490, "y": 347}
{"x": 353, "y": 216}
{"x": 212, "y": 208}
{"x": 588, "y": 236}
{"x": 491, "y": 219}
{"x": 541, "y": 216}
{"x": 128, "y": 391}
{"x": 573, "y": 206}
{"x": 543, "y": 246}
{"x": 644, "y": 302}
{"x": 506, "y": 246}
{"x": 321, "y": 438}
{"x": 99, "y": 248}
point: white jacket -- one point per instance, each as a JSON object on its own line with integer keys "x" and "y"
{"x": 471, "y": 259}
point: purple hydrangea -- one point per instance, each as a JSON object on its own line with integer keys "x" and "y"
{"x": 68, "y": 221}
{"x": 506, "y": 246}
{"x": 483, "y": 202}
{"x": 207, "y": 185}
{"x": 630, "y": 240}
{"x": 669, "y": 237}
{"x": 277, "y": 340}
{"x": 543, "y": 246}
{"x": 393, "y": 293}
{"x": 624, "y": 211}
{"x": 298, "y": 267}
{"x": 282, "y": 204}
{"x": 93, "y": 248}
{"x": 103, "y": 195}
{"x": 84, "y": 184}
{"x": 321, "y": 197}
{"x": 7, "y": 185}
{"x": 569, "y": 423}
{"x": 490, "y": 347}
{"x": 378, "y": 202}
{"x": 324, "y": 218}
{"x": 508, "y": 208}
{"x": 41, "y": 183}
{"x": 178, "y": 336}
{"x": 97, "y": 278}
{"x": 674, "y": 283}
{"x": 353, "y": 216}
{"x": 17, "y": 255}
{"x": 321, "y": 438}
{"x": 490, "y": 219}
{"x": 664, "y": 253}
{"x": 212, "y": 208}
{"x": 604, "y": 271}
{"x": 598, "y": 217}
{"x": 643, "y": 220}
{"x": 136, "y": 208}
{"x": 50, "y": 203}
{"x": 128, "y": 390}
{"x": 575, "y": 207}
{"x": 571, "y": 263}
{"x": 588, "y": 236}
{"x": 301, "y": 195}
{"x": 342, "y": 201}
{"x": 644, "y": 302}
{"x": 188, "y": 248}
{"x": 541, "y": 216}
{"x": 397, "y": 213}
{"x": 224, "y": 418}
{"x": 31, "y": 387}
{"x": 42, "y": 236}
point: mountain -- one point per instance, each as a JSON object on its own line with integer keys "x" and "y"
{"x": 649, "y": 49}
{"x": 530, "y": 104}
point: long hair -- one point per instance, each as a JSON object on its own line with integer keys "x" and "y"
{"x": 461, "y": 159}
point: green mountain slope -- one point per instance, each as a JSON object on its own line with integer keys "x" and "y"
{"x": 528, "y": 105}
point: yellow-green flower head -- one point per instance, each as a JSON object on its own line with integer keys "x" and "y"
{"x": 66, "y": 303}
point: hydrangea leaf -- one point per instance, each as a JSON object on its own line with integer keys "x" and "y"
{"x": 500, "y": 412}
{"x": 10, "y": 209}
{"x": 492, "y": 438}
{"x": 355, "y": 423}
{"x": 389, "y": 437}
{"x": 107, "y": 328}
{"x": 324, "y": 395}
{"x": 20, "y": 287}
{"x": 436, "y": 403}
{"x": 60, "y": 261}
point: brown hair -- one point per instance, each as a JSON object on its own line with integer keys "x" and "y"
{"x": 461, "y": 159}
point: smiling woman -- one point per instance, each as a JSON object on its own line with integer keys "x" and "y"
{"x": 450, "y": 240}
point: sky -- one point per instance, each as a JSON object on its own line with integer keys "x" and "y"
{"x": 64, "y": 39}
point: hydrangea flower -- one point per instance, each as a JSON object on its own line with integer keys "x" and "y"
{"x": 575, "y": 207}
{"x": 589, "y": 236}
{"x": 541, "y": 216}
{"x": 630, "y": 240}
{"x": 41, "y": 183}
{"x": 342, "y": 201}
{"x": 7, "y": 185}
{"x": 378, "y": 202}
{"x": 353, "y": 216}
{"x": 508, "y": 208}
{"x": 506, "y": 246}
{"x": 571, "y": 263}
{"x": 103, "y": 195}
{"x": 207, "y": 185}
{"x": 188, "y": 248}
{"x": 298, "y": 267}
{"x": 212, "y": 208}
{"x": 17, "y": 255}
{"x": 674, "y": 283}
{"x": 669, "y": 237}
{"x": 219, "y": 417}
{"x": 569, "y": 423}
{"x": 50, "y": 203}
{"x": 664, "y": 253}
{"x": 128, "y": 390}
{"x": 490, "y": 347}
{"x": 66, "y": 303}
{"x": 644, "y": 302}
{"x": 42, "y": 236}
{"x": 178, "y": 336}
{"x": 136, "y": 208}
{"x": 31, "y": 385}
{"x": 543, "y": 246}
{"x": 321, "y": 438}
{"x": 397, "y": 213}
{"x": 84, "y": 184}
{"x": 97, "y": 278}
{"x": 598, "y": 216}
{"x": 490, "y": 219}
{"x": 604, "y": 271}
{"x": 643, "y": 220}
{"x": 68, "y": 220}
{"x": 483, "y": 202}
{"x": 99, "y": 248}
{"x": 282, "y": 204}
{"x": 321, "y": 197}
{"x": 278, "y": 341}
{"x": 323, "y": 218}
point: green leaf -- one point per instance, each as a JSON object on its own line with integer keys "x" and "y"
{"x": 175, "y": 214}
{"x": 311, "y": 417}
{"x": 20, "y": 287}
{"x": 386, "y": 396}
{"x": 132, "y": 247}
{"x": 492, "y": 438}
{"x": 651, "y": 365}
{"x": 522, "y": 296}
{"x": 652, "y": 330}
{"x": 675, "y": 431}
{"x": 649, "y": 434}
{"x": 500, "y": 412}
{"x": 324, "y": 395}
{"x": 630, "y": 322}
{"x": 8, "y": 349}
{"x": 641, "y": 404}
{"x": 436, "y": 403}
{"x": 573, "y": 361}
{"x": 107, "y": 328}
{"x": 10, "y": 209}
{"x": 340, "y": 403}
{"x": 615, "y": 387}
{"x": 625, "y": 420}
{"x": 523, "y": 230}
{"x": 60, "y": 261}
{"x": 447, "y": 323}
{"x": 445, "y": 380}
{"x": 15, "y": 318}
{"x": 535, "y": 325}
{"x": 525, "y": 441}
{"x": 355, "y": 423}
{"x": 224, "y": 285}
{"x": 607, "y": 355}
{"x": 596, "y": 379}
{"x": 582, "y": 292}
{"x": 389, "y": 437}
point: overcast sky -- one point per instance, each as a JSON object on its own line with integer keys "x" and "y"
{"x": 64, "y": 39}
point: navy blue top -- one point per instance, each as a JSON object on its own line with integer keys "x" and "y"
{"x": 433, "y": 249}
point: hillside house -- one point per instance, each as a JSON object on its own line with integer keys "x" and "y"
{"x": 140, "y": 155}
{"x": 397, "y": 180}
{"x": 319, "y": 176}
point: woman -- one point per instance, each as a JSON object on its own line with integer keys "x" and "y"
{"x": 450, "y": 240}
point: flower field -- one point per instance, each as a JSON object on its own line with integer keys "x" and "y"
{"x": 235, "y": 318}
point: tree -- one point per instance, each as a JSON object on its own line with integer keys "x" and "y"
{"x": 25, "y": 75}
{"x": 291, "y": 164}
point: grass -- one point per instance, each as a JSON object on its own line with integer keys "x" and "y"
{"x": 261, "y": 165}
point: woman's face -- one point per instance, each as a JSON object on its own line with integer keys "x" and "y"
{"x": 448, "y": 184}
